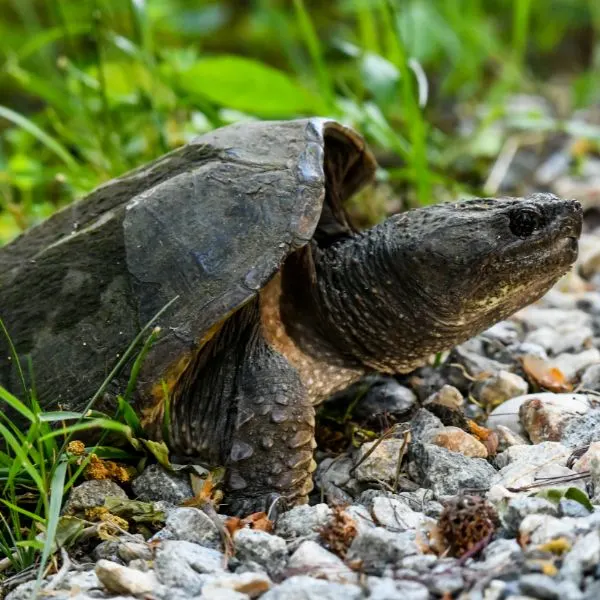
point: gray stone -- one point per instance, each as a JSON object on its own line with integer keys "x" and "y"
{"x": 445, "y": 579}
{"x": 505, "y": 332}
{"x": 543, "y": 528}
{"x": 185, "y": 565}
{"x": 239, "y": 585}
{"x": 448, "y": 396}
{"x": 521, "y": 506}
{"x": 584, "y": 555}
{"x": 523, "y": 349}
{"x": 474, "y": 365}
{"x": 500, "y": 553}
{"x": 386, "y": 588}
{"x": 303, "y": 587}
{"x": 558, "y": 341}
{"x": 539, "y": 586}
{"x": 545, "y": 417}
{"x": 312, "y": 559}
{"x": 190, "y": 525}
{"x": 119, "y": 579}
{"x": 538, "y": 454}
{"x": 156, "y": 483}
{"x": 582, "y": 430}
{"x": 572, "y": 508}
{"x": 496, "y": 590}
{"x": 248, "y": 566}
{"x": 420, "y": 563}
{"x": 140, "y": 564}
{"x": 499, "y": 388}
{"x": 303, "y": 521}
{"x": 128, "y": 551}
{"x": 385, "y": 397}
{"x": 210, "y": 592}
{"x": 376, "y": 548}
{"x": 382, "y": 460}
{"x": 335, "y": 479}
{"x": 592, "y": 590}
{"x": 108, "y": 550}
{"x": 78, "y": 585}
{"x": 396, "y": 515}
{"x": 424, "y": 425}
{"x": 520, "y": 465}
{"x": 263, "y": 548}
{"x": 572, "y": 364}
{"x": 534, "y": 317}
{"x": 508, "y": 438}
{"x": 508, "y": 413}
{"x": 92, "y": 493}
{"x": 590, "y": 380}
{"x": 361, "y": 516}
{"x": 447, "y": 472}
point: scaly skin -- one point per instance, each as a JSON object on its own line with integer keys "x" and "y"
{"x": 385, "y": 299}
{"x": 274, "y": 301}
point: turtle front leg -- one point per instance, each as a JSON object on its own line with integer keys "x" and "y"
{"x": 270, "y": 455}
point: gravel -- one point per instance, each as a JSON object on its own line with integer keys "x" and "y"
{"x": 531, "y": 465}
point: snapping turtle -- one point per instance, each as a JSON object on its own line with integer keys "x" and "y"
{"x": 279, "y": 300}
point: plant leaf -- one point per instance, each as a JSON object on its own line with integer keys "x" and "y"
{"x": 58, "y": 415}
{"x": 249, "y": 86}
{"x": 56, "y": 496}
{"x": 160, "y": 451}
{"x": 580, "y": 496}
{"x": 38, "y": 133}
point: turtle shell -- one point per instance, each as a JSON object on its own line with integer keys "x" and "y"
{"x": 204, "y": 227}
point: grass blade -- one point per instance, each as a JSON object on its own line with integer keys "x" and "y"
{"x": 121, "y": 363}
{"x": 137, "y": 365}
{"x": 21, "y": 456}
{"x": 313, "y": 45}
{"x": 47, "y": 140}
{"x": 56, "y": 496}
{"x": 15, "y": 357}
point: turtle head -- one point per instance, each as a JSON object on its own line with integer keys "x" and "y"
{"x": 473, "y": 263}
{"x": 459, "y": 268}
{"x": 428, "y": 279}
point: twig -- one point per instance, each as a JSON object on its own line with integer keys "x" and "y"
{"x": 385, "y": 436}
{"x": 62, "y": 573}
{"x": 401, "y": 454}
{"x": 501, "y": 166}
{"x": 5, "y": 563}
{"x": 548, "y": 480}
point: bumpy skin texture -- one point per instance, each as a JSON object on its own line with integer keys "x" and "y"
{"x": 280, "y": 302}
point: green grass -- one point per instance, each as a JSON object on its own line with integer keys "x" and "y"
{"x": 36, "y": 468}
{"x": 93, "y": 88}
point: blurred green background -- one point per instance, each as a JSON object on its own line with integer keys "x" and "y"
{"x": 92, "y": 88}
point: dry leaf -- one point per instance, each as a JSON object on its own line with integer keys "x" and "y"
{"x": 207, "y": 493}
{"x": 545, "y": 374}
{"x": 486, "y": 436}
{"x": 258, "y": 521}
{"x": 435, "y": 542}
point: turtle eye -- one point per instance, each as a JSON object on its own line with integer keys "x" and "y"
{"x": 524, "y": 221}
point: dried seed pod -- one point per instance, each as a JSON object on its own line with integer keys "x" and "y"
{"x": 466, "y": 522}
{"x": 338, "y": 533}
